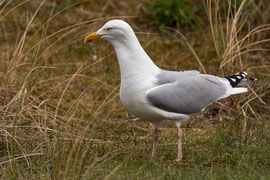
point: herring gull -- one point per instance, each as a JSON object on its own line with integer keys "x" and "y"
{"x": 161, "y": 96}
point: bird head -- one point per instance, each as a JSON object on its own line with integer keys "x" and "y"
{"x": 114, "y": 30}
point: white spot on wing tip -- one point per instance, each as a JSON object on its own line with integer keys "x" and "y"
{"x": 244, "y": 73}
{"x": 234, "y": 80}
{"x": 238, "y": 77}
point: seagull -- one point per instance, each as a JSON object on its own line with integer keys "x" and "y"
{"x": 161, "y": 96}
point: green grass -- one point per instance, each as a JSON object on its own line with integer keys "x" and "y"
{"x": 216, "y": 154}
{"x": 60, "y": 113}
{"x": 212, "y": 156}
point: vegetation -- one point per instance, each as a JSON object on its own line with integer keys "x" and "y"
{"x": 173, "y": 13}
{"x": 60, "y": 115}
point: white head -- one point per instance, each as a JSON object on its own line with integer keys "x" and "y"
{"x": 113, "y": 31}
{"x": 129, "y": 52}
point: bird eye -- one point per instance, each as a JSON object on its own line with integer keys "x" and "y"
{"x": 108, "y": 29}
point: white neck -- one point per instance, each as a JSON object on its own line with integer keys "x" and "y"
{"x": 133, "y": 60}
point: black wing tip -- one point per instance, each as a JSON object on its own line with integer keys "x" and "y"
{"x": 253, "y": 79}
{"x": 238, "y": 77}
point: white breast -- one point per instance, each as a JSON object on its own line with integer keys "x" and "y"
{"x": 132, "y": 96}
{"x": 138, "y": 75}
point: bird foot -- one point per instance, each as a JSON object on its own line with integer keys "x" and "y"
{"x": 178, "y": 159}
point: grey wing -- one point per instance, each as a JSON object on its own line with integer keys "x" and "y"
{"x": 186, "y": 92}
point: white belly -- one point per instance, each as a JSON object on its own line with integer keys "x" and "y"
{"x": 133, "y": 98}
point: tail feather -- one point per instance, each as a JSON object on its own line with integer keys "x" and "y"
{"x": 238, "y": 90}
{"x": 239, "y": 80}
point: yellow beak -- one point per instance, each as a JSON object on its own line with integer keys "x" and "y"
{"x": 92, "y": 37}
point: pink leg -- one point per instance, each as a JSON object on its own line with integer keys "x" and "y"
{"x": 179, "y": 136}
{"x": 155, "y": 142}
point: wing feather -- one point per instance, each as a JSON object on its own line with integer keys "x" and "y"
{"x": 186, "y": 92}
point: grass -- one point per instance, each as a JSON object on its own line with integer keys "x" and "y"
{"x": 61, "y": 117}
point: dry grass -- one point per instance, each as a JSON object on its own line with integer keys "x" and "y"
{"x": 61, "y": 117}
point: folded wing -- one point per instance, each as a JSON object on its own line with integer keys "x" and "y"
{"x": 186, "y": 92}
